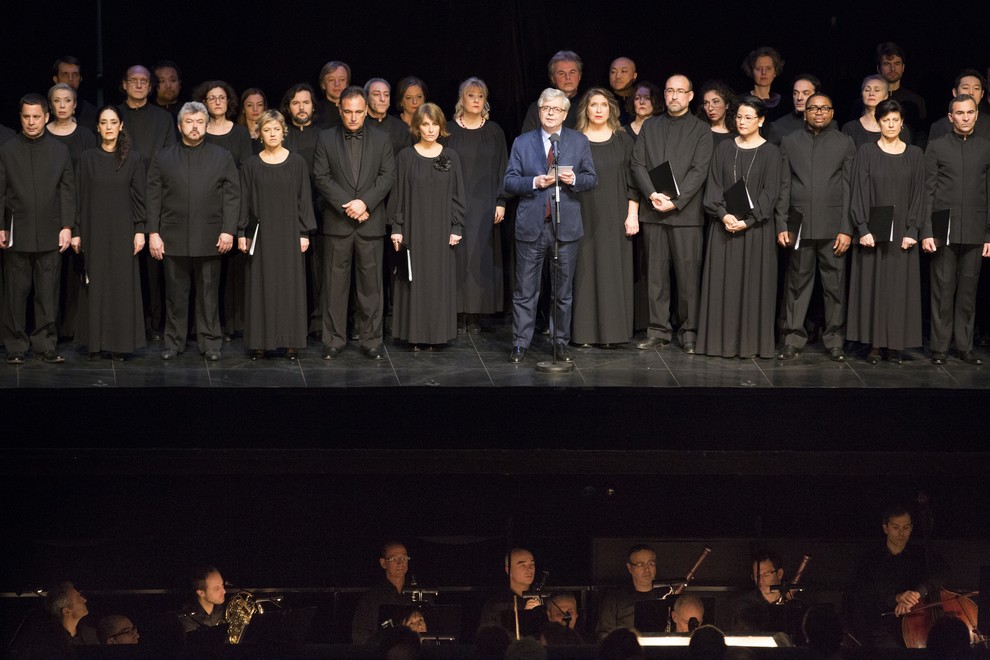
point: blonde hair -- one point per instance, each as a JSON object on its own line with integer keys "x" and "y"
{"x": 473, "y": 81}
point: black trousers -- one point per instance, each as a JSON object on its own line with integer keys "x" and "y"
{"x": 339, "y": 253}
{"x": 955, "y": 275}
{"x": 682, "y": 247}
{"x": 22, "y": 271}
{"x": 799, "y": 283}
{"x": 179, "y": 275}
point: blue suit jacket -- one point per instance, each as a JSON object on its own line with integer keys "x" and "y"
{"x": 527, "y": 160}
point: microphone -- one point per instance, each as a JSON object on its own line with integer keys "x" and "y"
{"x": 555, "y": 145}
{"x": 538, "y": 591}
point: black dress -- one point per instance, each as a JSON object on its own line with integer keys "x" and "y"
{"x": 478, "y": 257}
{"x": 278, "y": 196}
{"x": 77, "y": 141}
{"x": 111, "y": 211}
{"x": 885, "y": 284}
{"x": 739, "y": 279}
{"x": 427, "y": 207}
{"x": 641, "y": 298}
{"x": 603, "y": 275}
{"x": 237, "y": 141}
{"x": 861, "y": 136}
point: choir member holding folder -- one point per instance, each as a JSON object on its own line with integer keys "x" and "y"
{"x": 887, "y": 208}
{"x": 739, "y": 280}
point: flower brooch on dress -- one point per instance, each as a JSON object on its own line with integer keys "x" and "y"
{"x": 442, "y": 163}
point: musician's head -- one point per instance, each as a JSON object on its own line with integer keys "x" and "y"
{"x": 897, "y": 527}
{"x": 687, "y": 608}
{"x": 562, "y": 608}
{"x": 520, "y": 566}
{"x": 641, "y": 562}
{"x": 394, "y": 559}
{"x": 208, "y": 585}
{"x": 767, "y": 571}
{"x": 412, "y": 618}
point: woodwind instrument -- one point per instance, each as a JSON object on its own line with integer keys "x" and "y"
{"x": 785, "y": 594}
{"x": 687, "y": 579}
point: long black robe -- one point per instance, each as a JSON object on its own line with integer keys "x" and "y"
{"x": 111, "y": 211}
{"x": 885, "y": 285}
{"x": 861, "y": 136}
{"x": 150, "y": 128}
{"x": 739, "y": 280}
{"x": 77, "y": 141}
{"x": 479, "y": 254}
{"x": 278, "y": 196}
{"x": 237, "y": 141}
{"x": 427, "y": 207}
{"x": 603, "y": 278}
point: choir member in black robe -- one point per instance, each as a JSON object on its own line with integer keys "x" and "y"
{"x": 67, "y": 69}
{"x": 277, "y": 208}
{"x": 335, "y": 77}
{"x": 565, "y": 69}
{"x": 379, "y": 93}
{"x": 253, "y": 103}
{"x": 603, "y": 292}
{"x": 803, "y": 87}
{"x": 622, "y": 81}
{"x": 354, "y": 170}
{"x": 411, "y": 93}
{"x": 865, "y": 129}
{"x": 193, "y": 204}
{"x": 957, "y": 176}
{"x": 718, "y": 108}
{"x": 969, "y": 81}
{"x": 38, "y": 187}
{"x": 739, "y": 284}
{"x": 891, "y": 59}
{"x": 480, "y": 143}
{"x": 763, "y": 65}
{"x": 885, "y": 284}
{"x": 110, "y": 234}
{"x": 168, "y": 85}
{"x": 427, "y": 211}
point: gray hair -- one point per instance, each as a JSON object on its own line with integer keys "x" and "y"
{"x": 372, "y": 81}
{"x": 191, "y": 108}
{"x": 564, "y": 56}
{"x": 552, "y": 93}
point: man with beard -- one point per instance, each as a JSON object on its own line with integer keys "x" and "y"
{"x": 168, "y": 81}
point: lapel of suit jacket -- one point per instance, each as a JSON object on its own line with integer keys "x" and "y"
{"x": 366, "y": 154}
{"x": 343, "y": 157}
{"x": 538, "y": 144}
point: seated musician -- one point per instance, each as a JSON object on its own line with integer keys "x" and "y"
{"x": 207, "y": 610}
{"x": 750, "y": 612}
{"x": 521, "y": 616}
{"x": 386, "y": 594}
{"x": 618, "y": 609}
{"x": 687, "y": 614}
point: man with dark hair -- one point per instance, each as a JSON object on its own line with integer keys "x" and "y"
{"x": 335, "y": 77}
{"x": 565, "y": 69}
{"x": 168, "y": 81}
{"x": 803, "y": 87}
{"x": 37, "y": 185}
{"x": 193, "y": 204}
{"x": 379, "y": 93}
{"x": 67, "y": 69}
{"x": 890, "y": 64}
{"x": 354, "y": 170}
{"x": 117, "y": 629}
{"x": 971, "y": 82}
{"x": 957, "y": 171}
{"x": 207, "y": 610}
{"x": 514, "y": 610}
{"x": 750, "y": 610}
{"x": 384, "y": 598}
{"x": 618, "y": 608}
{"x": 622, "y": 80}
{"x": 812, "y": 217}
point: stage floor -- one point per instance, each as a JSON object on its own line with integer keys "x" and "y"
{"x": 482, "y": 361}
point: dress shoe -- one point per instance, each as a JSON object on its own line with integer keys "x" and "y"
{"x": 170, "y": 354}
{"x": 587, "y": 345}
{"x": 873, "y": 357}
{"x": 118, "y": 357}
{"x": 154, "y": 335}
{"x": 517, "y": 355}
{"x": 652, "y": 342}
{"x": 563, "y": 353}
{"x": 257, "y": 354}
{"x": 939, "y": 357}
{"x": 52, "y": 357}
{"x": 836, "y": 354}
{"x": 373, "y": 353}
{"x": 15, "y": 358}
{"x": 969, "y": 357}
{"x": 292, "y": 354}
{"x": 894, "y": 356}
{"x": 212, "y": 355}
{"x": 688, "y": 347}
{"x": 331, "y": 352}
{"x": 788, "y": 353}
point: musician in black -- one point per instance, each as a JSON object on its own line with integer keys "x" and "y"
{"x": 368, "y": 616}
{"x": 521, "y": 616}
{"x": 618, "y": 609}
{"x": 208, "y": 609}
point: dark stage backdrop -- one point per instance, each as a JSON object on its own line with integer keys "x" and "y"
{"x": 273, "y": 45}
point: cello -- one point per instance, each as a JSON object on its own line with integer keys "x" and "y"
{"x": 916, "y": 624}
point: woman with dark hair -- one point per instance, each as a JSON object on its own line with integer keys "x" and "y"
{"x": 277, "y": 203}
{"x": 110, "y": 234}
{"x": 763, "y": 65}
{"x": 603, "y": 275}
{"x": 888, "y": 177}
{"x": 646, "y": 101}
{"x": 427, "y": 212}
{"x": 480, "y": 143}
{"x": 253, "y": 103}
{"x": 866, "y": 129}
{"x": 718, "y": 109}
{"x": 410, "y": 93}
{"x": 739, "y": 280}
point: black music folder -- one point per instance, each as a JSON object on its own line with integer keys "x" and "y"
{"x": 940, "y": 225}
{"x": 881, "y": 223}
{"x": 737, "y": 199}
{"x": 251, "y": 232}
{"x": 662, "y": 178}
{"x": 794, "y": 220}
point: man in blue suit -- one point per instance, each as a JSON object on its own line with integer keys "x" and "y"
{"x": 529, "y": 176}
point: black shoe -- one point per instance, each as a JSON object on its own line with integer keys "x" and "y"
{"x": 563, "y": 353}
{"x": 52, "y": 357}
{"x": 652, "y": 342}
{"x": 969, "y": 357}
{"x": 939, "y": 357}
{"x": 292, "y": 354}
{"x": 894, "y": 356}
{"x": 257, "y": 354}
{"x": 788, "y": 353}
{"x": 873, "y": 357}
{"x": 212, "y": 355}
{"x": 15, "y": 358}
{"x": 373, "y": 353}
{"x": 517, "y": 355}
{"x": 170, "y": 354}
{"x": 331, "y": 352}
{"x": 154, "y": 335}
{"x": 836, "y": 354}
{"x": 688, "y": 347}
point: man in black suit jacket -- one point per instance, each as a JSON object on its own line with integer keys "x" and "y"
{"x": 354, "y": 170}
{"x": 193, "y": 203}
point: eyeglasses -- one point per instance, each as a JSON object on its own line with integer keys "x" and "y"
{"x": 552, "y": 110}
{"x": 676, "y": 92}
{"x": 138, "y": 82}
{"x": 642, "y": 564}
{"x": 746, "y": 118}
{"x": 215, "y": 99}
{"x": 398, "y": 559}
{"x": 757, "y": 576}
{"x": 818, "y": 108}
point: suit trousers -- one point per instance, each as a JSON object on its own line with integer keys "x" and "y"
{"x": 799, "y": 283}
{"x": 338, "y": 254}
{"x": 179, "y": 274}
{"x": 21, "y": 270}
{"x": 955, "y": 275}
{"x": 684, "y": 247}
{"x": 530, "y": 256}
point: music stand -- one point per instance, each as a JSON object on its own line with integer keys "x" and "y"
{"x": 553, "y": 366}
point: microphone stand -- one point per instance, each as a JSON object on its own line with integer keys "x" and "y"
{"x": 555, "y": 367}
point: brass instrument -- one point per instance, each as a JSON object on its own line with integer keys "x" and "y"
{"x": 240, "y": 609}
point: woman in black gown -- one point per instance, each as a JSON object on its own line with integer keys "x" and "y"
{"x": 739, "y": 279}
{"x": 410, "y": 94}
{"x": 253, "y": 103}
{"x": 646, "y": 101}
{"x": 718, "y": 109}
{"x": 277, "y": 201}
{"x": 603, "y": 291}
{"x": 111, "y": 180}
{"x": 866, "y": 129}
{"x": 480, "y": 143}
{"x": 885, "y": 285}
{"x": 427, "y": 212}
